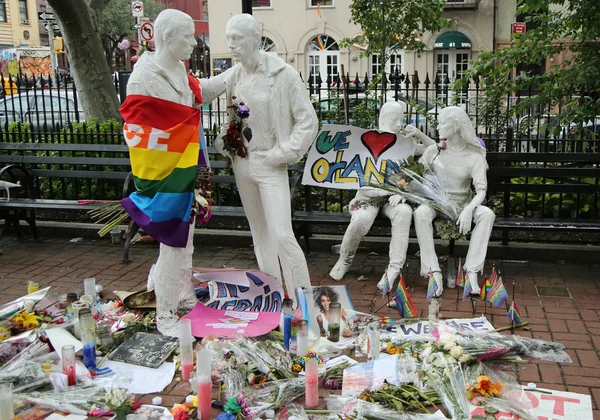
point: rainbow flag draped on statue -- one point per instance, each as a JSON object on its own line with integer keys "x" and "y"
{"x": 164, "y": 148}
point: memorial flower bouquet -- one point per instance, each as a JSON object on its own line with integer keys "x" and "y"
{"x": 417, "y": 183}
{"x": 233, "y": 140}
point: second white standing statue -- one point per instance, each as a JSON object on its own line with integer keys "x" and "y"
{"x": 283, "y": 124}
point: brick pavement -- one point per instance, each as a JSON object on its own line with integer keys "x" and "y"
{"x": 573, "y": 320}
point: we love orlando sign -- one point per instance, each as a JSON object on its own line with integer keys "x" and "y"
{"x": 346, "y": 157}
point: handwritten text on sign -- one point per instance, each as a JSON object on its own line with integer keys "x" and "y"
{"x": 346, "y": 157}
{"x": 557, "y": 405}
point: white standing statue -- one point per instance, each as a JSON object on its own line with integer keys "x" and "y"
{"x": 364, "y": 211}
{"x": 280, "y": 128}
{"x": 163, "y": 131}
{"x": 461, "y": 164}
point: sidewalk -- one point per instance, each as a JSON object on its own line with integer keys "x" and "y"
{"x": 560, "y": 301}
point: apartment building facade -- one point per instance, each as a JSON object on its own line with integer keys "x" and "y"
{"x": 19, "y": 24}
{"x": 305, "y": 33}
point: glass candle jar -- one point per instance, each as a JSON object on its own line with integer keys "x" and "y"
{"x": 68, "y": 363}
{"x": 333, "y": 321}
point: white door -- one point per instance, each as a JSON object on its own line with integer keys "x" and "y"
{"x": 323, "y": 58}
{"x": 450, "y": 64}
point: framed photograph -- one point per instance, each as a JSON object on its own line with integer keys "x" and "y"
{"x": 318, "y": 314}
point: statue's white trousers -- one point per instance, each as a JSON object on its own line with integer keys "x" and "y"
{"x": 483, "y": 219}
{"x": 360, "y": 224}
{"x": 171, "y": 278}
{"x": 265, "y": 196}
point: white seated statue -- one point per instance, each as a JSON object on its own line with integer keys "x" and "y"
{"x": 461, "y": 164}
{"x": 364, "y": 211}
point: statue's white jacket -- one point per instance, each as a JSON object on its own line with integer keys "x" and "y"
{"x": 294, "y": 119}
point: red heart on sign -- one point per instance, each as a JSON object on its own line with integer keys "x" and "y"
{"x": 377, "y": 143}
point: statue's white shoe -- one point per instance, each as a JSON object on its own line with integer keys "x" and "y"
{"x": 388, "y": 279}
{"x": 339, "y": 270}
{"x": 475, "y": 289}
{"x": 168, "y": 325}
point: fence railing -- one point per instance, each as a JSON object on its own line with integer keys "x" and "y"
{"x": 39, "y": 110}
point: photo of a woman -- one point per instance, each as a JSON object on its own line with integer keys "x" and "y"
{"x": 324, "y": 296}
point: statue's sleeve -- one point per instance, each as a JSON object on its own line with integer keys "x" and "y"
{"x": 478, "y": 173}
{"x": 305, "y": 122}
{"x": 214, "y": 87}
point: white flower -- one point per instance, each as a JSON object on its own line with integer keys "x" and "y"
{"x": 449, "y": 345}
{"x": 464, "y": 358}
{"x": 456, "y": 352}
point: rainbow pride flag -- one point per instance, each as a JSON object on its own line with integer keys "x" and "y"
{"x": 404, "y": 303}
{"x": 493, "y": 276}
{"x": 514, "y": 314}
{"x": 467, "y": 287}
{"x": 432, "y": 287}
{"x": 497, "y": 294}
{"x": 485, "y": 289}
{"x": 460, "y": 277}
{"x": 164, "y": 148}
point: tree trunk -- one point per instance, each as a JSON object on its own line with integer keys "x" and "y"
{"x": 78, "y": 21}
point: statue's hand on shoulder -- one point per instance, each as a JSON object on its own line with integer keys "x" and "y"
{"x": 465, "y": 220}
{"x": 396, "y": 199}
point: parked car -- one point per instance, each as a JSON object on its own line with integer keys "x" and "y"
{"x": 41, "y": 109}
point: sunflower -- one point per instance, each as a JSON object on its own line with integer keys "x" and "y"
{"x": 394, "y": 350}
{"x": 26, "y": 320}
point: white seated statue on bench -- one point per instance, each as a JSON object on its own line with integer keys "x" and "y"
{"x": 460, "y": 164}
{"x": 364, "y": 211}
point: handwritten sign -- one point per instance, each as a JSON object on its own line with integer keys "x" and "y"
{"x": 420, "y": 330}
{"x": 242, "y": 291}
{"x": 553, "y": 405}
{"x": 346, "y": 157}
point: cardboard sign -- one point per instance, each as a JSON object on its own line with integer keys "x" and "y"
{"x": 348, "y": 158}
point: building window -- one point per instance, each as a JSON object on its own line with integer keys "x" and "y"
{"x": 23, "y": 12}
{"x": 261, "y": 3}
{"x": 315, "y": 3}
{"x": 2, "y": 11}
{"x": 394, "y": 63}
{"x": 267, "y": 44}
{"x": 323, "y": 58}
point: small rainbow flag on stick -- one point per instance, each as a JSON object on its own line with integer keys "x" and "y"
{"x": 514, "y": 315}
{"x": 387, "y": 288}
{"x": 497, "y": 294}
{"x": 467, "y": 285}
{"x": 461, "y": 274}
{"x": 485, "y": 290}
{"x": 493, "y": 276}
{"x": 404, "y": 303}
{"x": 432, "y": 287}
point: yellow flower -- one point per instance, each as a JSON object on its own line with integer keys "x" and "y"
{"x": 195, "y": 401}
{"x": 26, "y": 320}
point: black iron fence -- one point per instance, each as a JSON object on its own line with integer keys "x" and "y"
{"x": 48, "y": 110}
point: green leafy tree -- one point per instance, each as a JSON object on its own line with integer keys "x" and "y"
{"x": 554, "y": 27}
{"x": 118, "y": 24}
{"x": 388, "y": 25}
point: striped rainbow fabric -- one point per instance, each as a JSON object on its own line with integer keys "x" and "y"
{"x": 164, "y": 147}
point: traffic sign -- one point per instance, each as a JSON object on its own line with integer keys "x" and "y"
{"x": 46, "y": 16}
{"x": 147, "y": 31}
{"x": 519, "y": 27}
{"x": 52, "y": 26}
{"x": 137, "y": 9}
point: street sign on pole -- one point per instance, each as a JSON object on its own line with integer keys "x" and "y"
{"x": 147, "y": 31}
{"x": 137, "y": 9}
{"x": 52, "y": 26}
{"x": 46, "y": 16}
{"x": 519, "y": 28}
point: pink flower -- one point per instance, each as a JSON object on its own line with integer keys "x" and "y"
{"x": 443, "y": 144}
